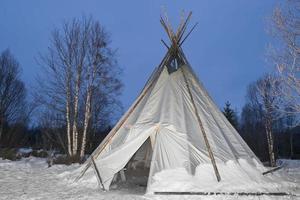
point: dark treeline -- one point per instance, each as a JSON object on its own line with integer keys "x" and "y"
{"x": 254, "y": 124}
{"x": 251, "y": 126}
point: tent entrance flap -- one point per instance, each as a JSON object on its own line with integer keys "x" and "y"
{"x": 142, "y": 158}
{"x": 117, "y": 158}
{"x": 137, "y": 169}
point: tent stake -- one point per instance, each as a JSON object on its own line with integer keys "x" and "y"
{"x": 210, "y": 153}
{"x": 98, "y": 174}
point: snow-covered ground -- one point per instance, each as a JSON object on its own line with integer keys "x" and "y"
{"x": 30, "y": 178}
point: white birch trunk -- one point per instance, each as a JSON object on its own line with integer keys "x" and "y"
{"x": 87, "y": 117}
{"x": 272, "y": 154}
{"x": 68, "y": 124}
{"x": 270, "y": 143}
{"x": 87, "y": 114}
{"x": 75, "y": 128}
{"x": 68, "y": 110}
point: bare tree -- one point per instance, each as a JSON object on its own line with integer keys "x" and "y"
{"x": 260, "y": 115}
{"x": 268, "y": 99}
{"x": 285, "y": 53}
{"x": 252, "y": 123}
{"x": 290, "y": 121}
{"x": 12, "y": 92}
{"x": 80, "y": 67}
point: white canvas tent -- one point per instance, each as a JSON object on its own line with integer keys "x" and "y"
{"x": 174, "y": 127}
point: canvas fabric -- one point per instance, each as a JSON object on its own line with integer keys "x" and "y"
{"x": 167, "y": 117}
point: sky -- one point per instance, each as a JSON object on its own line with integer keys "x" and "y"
{"x": 227, "y": 49}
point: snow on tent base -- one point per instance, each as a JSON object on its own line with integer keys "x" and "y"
{"x": 237, "y": 177}
{"x": 176, "y": 130}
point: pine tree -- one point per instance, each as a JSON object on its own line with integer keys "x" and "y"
{"x": 230, "y": 114}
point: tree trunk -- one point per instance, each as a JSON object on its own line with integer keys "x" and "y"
{"x": 75, "y": 128}
{"x": 74, "y": 137}
{"x": 69, "y": 129}
{"x": 68, "y": 112}
{"x": 1, "y": 128}
{"x": 269, "y": 133}
{"x": 87, "y": 116}
{"x": 291, "y": 146}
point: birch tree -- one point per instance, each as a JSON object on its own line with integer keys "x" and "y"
{"x": 267, "y": 97}
{"x": 260, "y": 114}
{"x": 101, "y": 80}
{"x": 285, "y": 53}
{"x": 78, "y": 63}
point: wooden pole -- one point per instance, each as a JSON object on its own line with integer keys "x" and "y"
{"x": 272, "y": 170}
{"x": 227, "y": 193}
{"x": 183, "y": 28}
{"x": 210, "y": 153}
{"x": 98, "y": 174}
{"x": 164, "y": 43}
{"x": 175, "y": 47}
{"x": 181, "y": 54}
{"x": 187, "y": 35}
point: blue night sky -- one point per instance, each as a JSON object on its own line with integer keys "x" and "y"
{"x": 227, "y": 49}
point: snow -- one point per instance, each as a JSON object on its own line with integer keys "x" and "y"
{"x": 236, "y": 177}
{"x": 30, "y": 178}
{"x": 25, "y": 150}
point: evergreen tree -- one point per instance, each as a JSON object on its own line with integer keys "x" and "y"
{"x": 230, "y": 114}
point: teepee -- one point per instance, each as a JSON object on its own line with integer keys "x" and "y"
{"x": 175, "y": 129}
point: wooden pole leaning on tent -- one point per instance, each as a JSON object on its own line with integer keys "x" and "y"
{"x": 228, "y": 193}
{"x": 210, "y": 153}
{"x": 98, "y": 174}
{"x": 212, "y": 158}
{"x": 177, "y": 53}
